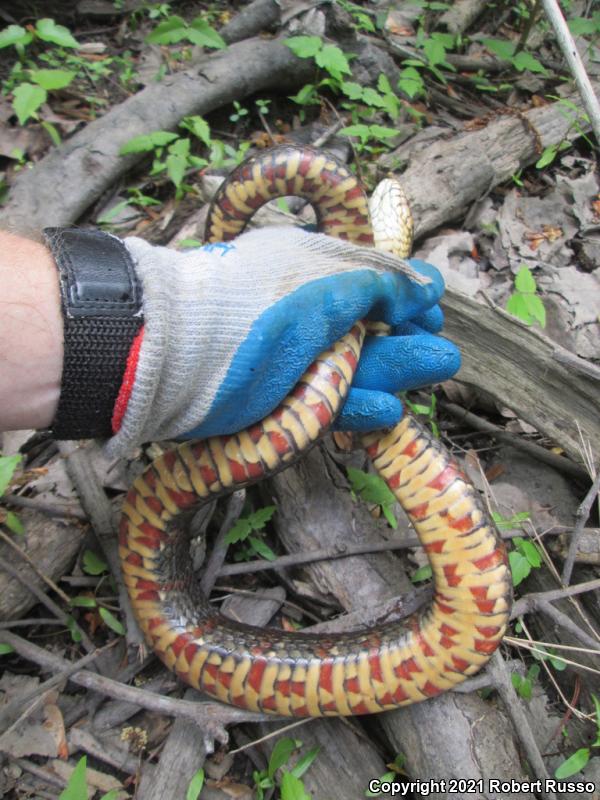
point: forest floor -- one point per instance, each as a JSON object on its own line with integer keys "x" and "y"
{"x": 127, "y": 115}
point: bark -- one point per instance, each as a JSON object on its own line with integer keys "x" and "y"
{"x": 52, "y": 544}
{"x": 525, "y": 371}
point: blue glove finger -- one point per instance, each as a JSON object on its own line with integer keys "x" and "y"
{"x": 368, "y": 411}
{"x": 396, "y": 363}
{"x": 431, "y": 320}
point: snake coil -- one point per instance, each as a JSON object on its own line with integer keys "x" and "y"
{"x": 295, "y": 674}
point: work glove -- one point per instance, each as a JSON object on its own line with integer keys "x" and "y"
{"x": 230, "y": 328}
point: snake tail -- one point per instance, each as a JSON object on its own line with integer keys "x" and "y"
{"x": 297, "y": 674}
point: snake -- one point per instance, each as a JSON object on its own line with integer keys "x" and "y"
{"x": 301, "y": 674}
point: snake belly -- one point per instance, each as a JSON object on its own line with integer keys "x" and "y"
{"x": 297, "y": 674}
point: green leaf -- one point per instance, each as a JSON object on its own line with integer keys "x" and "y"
{"x": 352, "y": 90}
{"x": 362, "y": 131}
{"x": 597, "y": 711}
{"x": 195, "y": 787}
{"x": 240, "y": 531}
{"x": 373, "y": 98}
{"x": 381, "y": 132}
{"x": 73, "y": 629}
{"x": 500, "y": 47}
{"x": 304, "y": 46}
{"x": 76, "y": 788}
{"x": 306, "y": 96}
{"x": 186, "y": 244}
{"x": 410, "y": 82}
{"x": 304, "y": 763}
{"x": 199, "y": 127}
{"x": 112, "y": 212}
{"x": 548, "y": 155}
{"x": 14, "y": 34}
{"x": 5, "y": 649}
{"x": 531, "y": 552}
{"x": 83, "y": 602}
{"x": 147, "y": 141}
{"x": 93, "y": 564}
{"x": 280, "y": 754}
{"x": 435, "y": 52}
{"x": 8, "y": 464}
{"x": 169, "y": 31}
{"x": 201, "y": 33}
{"x": 517, "y": 306}
{"x": 580, "y": 26}
{"x": 51, "y": 131}
{"x": 424, "y": 573}
{"x": 372, "y": 488}
{"x": 52, "y": 78}
{"x": 332, "y": 59}
{"x": 261, "y": 548}
{"x": 177, "y": 160}
{"x": 523, "y": 61}
{"x": 292, "y": 788}
{"x": 27, "y": 99}
{"x": 259, "y": 518}
{"x": 49, "y": 31}
{"x": 389, "y": 515}
{"x": 112, "y": 795}
{"x": 519, "y": 565}
{"x": 112, "y": 622}
{"x": 384, "y": 85}
{"x": 14, "y": 523}
{"x": 574, "y": 764}
{"x": 536, "y": 309}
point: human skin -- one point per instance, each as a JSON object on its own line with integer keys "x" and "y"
{"x": 31, "y": 334}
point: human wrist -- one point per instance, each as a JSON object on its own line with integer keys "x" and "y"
{"x": 31, "y": 334}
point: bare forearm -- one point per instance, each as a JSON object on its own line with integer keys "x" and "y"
{"x": 31, "y": 334}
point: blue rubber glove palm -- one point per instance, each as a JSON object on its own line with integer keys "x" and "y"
{"x": 231, "y": 327}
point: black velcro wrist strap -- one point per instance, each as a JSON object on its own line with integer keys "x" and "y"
{"x": 102, "y": 313}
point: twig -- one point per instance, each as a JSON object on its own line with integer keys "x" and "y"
{"x": 501, "y": 680}
{"x": 529, "y": 602}
{"x": 583, "y": 512}
{"x": 219, "y": 551}
{"x": 49, "y": 603}
{"x": 561, "y": 463}
{"x": 571, "y": 54}
{"x": 28, "y": 560}
{"x": 211, "y": 716}
{"x": 64, "y": 510}
{"x": 342, "y": 550}
{"x": 36, "y": 695}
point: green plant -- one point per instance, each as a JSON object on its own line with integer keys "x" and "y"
{"x": 242, "y": 532}
{"x": 396, "y": 768}
{"x": 46, "y": 30}
{"x": 428, "y": 411}
{"x": 239, "y": 112}
{"x": 327, "y": 56}
{"x": 175, "y": 29}
{"x": 508, "y": 523}
{"x": 362, "y": 21}
{"x": 524, "y": 303}
{"x": 580, "y": 758}
{"x": 373, "y": 489}
{"x": 424, "y": 573}
{"x": 520, "y": 59}
{"x": 290, "y": 785}
{"x": 525, "y": 557}
{"x": 195, "y": 786}
{"x": 524, "y": 685}
{"x": 8, "y": 465}
{"x": 76, "y": 788}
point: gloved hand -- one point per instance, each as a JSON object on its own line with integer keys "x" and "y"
{"x": 229, "y": 329}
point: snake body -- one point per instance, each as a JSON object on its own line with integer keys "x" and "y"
{"x": 295, "y": 674}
